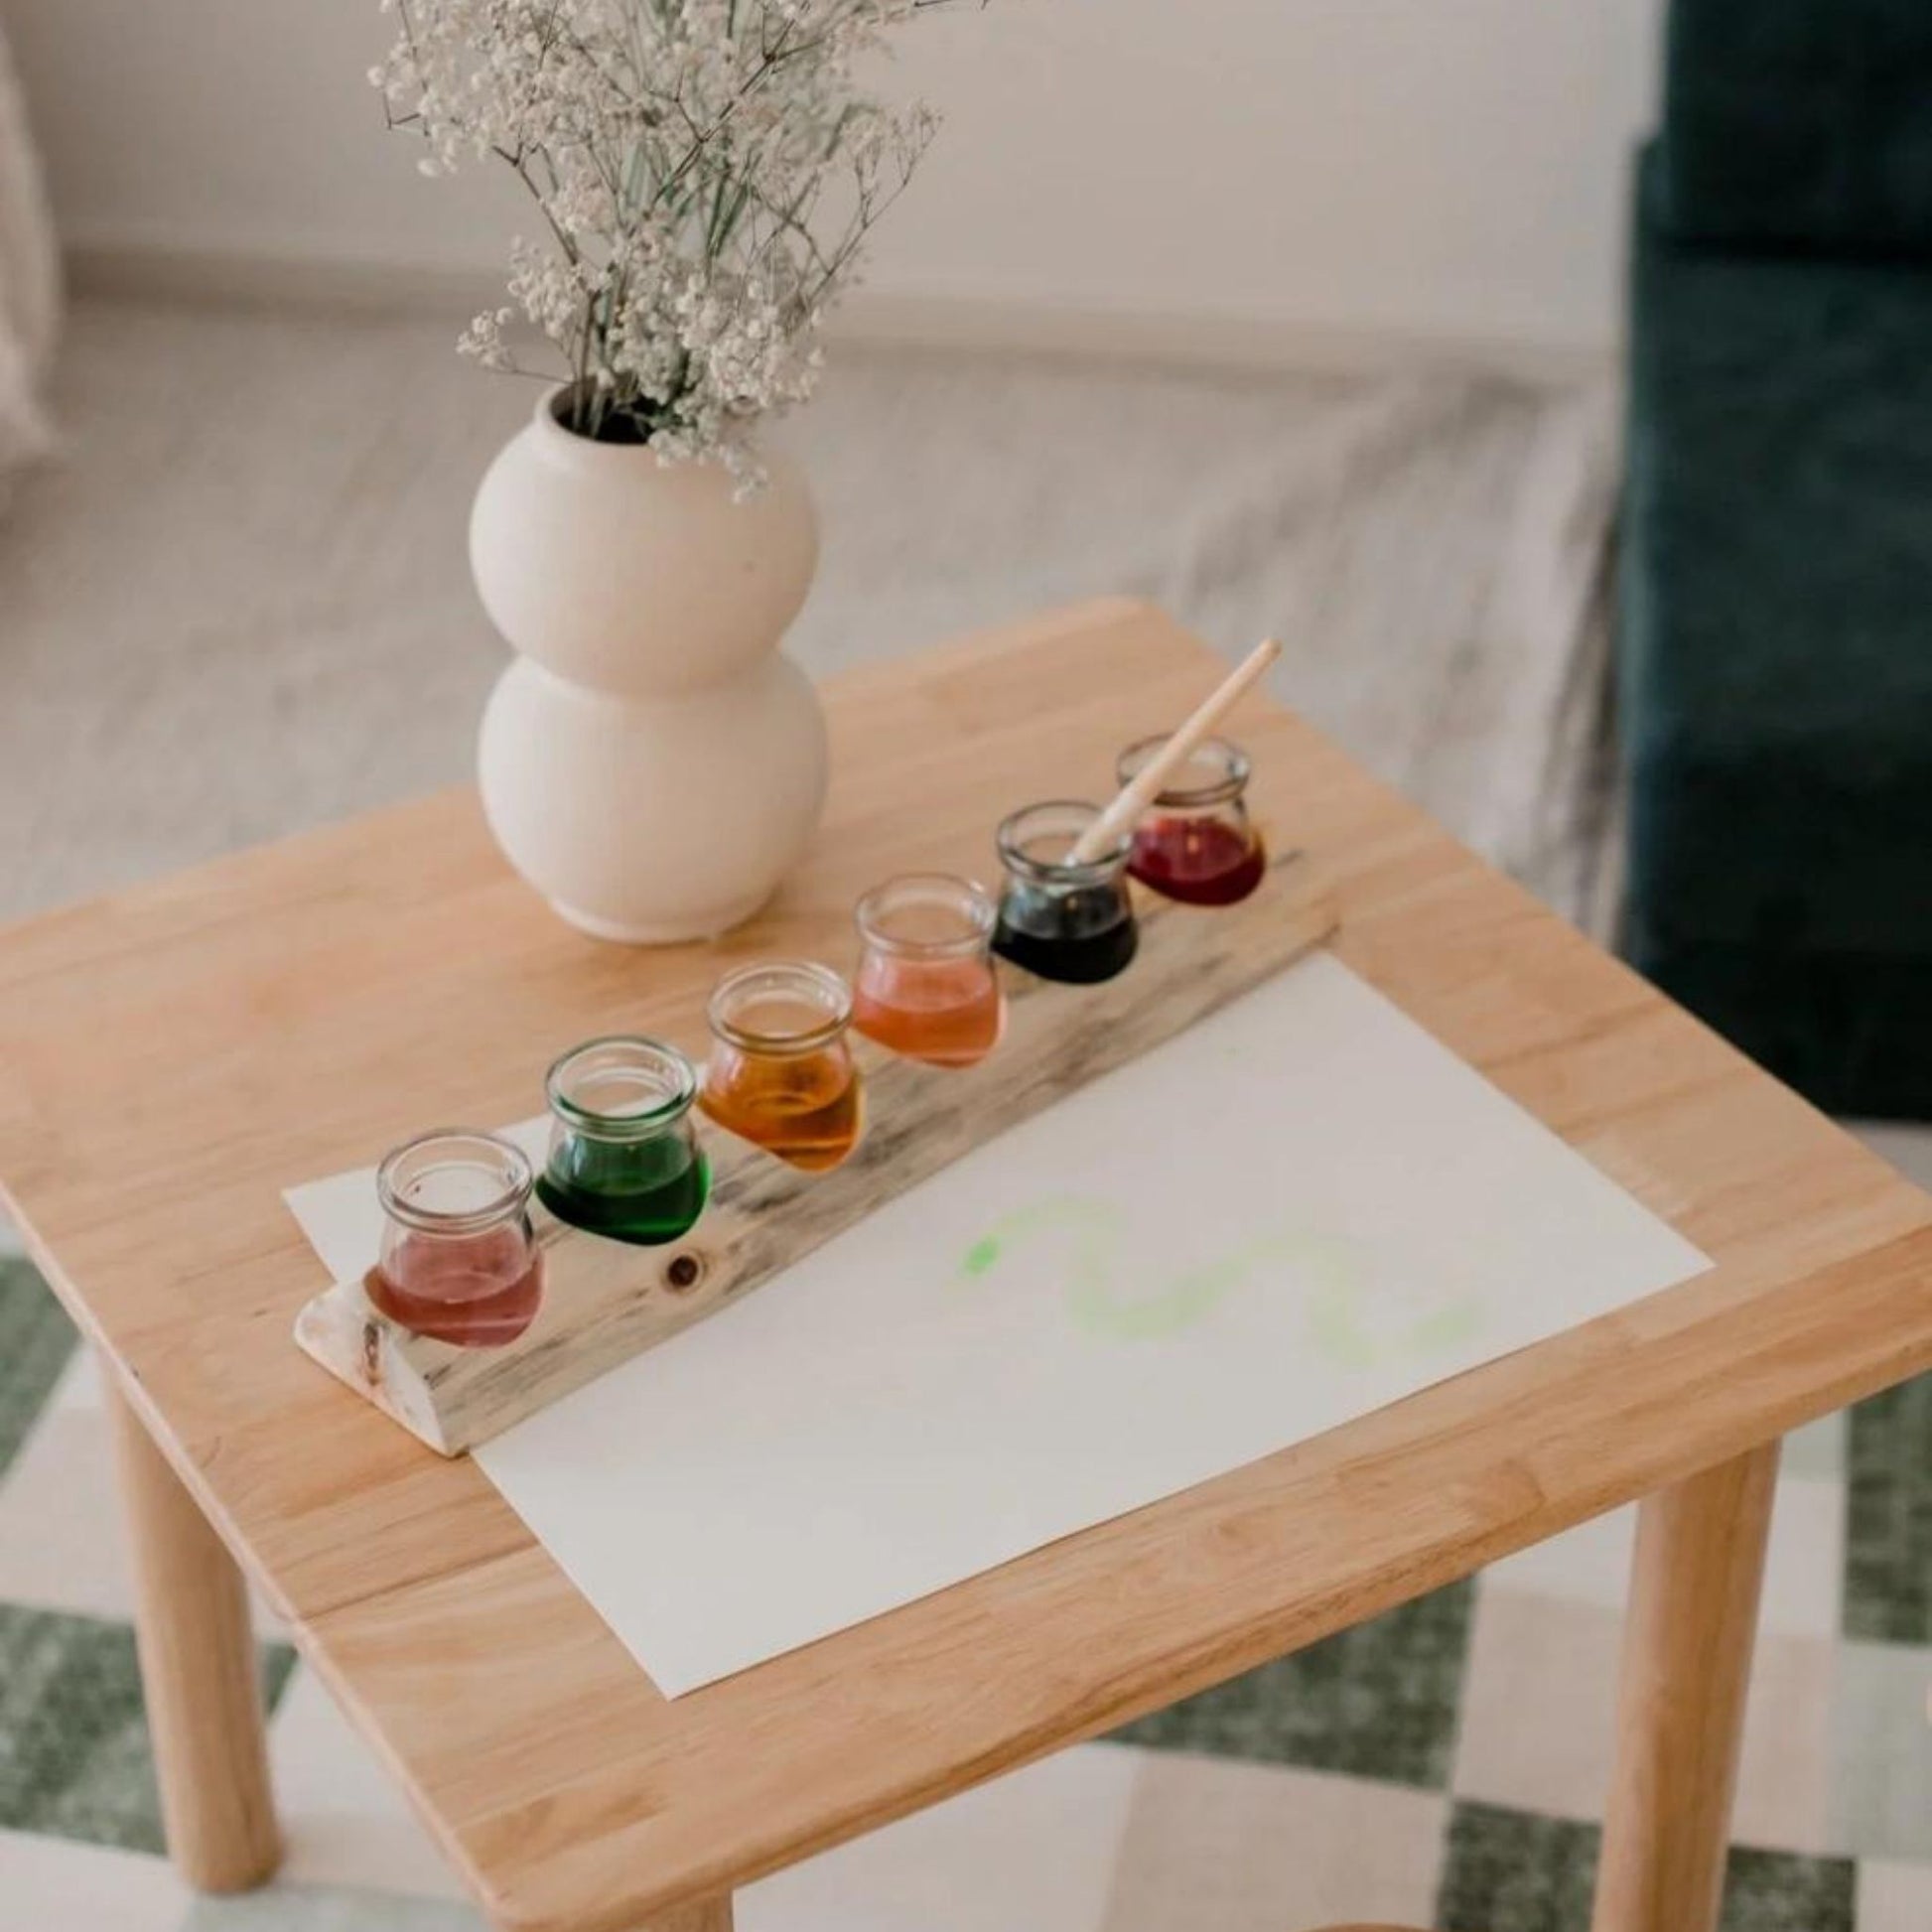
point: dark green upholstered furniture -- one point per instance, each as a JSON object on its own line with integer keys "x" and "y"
{"x": 1775, "y": 628}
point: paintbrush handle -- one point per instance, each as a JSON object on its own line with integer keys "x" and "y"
{"x": 1146, "y": 785}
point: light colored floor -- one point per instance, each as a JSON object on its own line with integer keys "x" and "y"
{"x": 240, "y": 605}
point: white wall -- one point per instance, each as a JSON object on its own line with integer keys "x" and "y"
{"x": 1449, "y": 169}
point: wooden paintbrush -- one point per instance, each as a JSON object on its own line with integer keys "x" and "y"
{"x": 1140, "y": 791}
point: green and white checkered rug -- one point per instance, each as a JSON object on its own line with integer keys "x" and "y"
{"x": 1438, "y": 1766}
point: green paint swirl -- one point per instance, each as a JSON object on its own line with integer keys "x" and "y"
{"x": 1092, "y": 1239}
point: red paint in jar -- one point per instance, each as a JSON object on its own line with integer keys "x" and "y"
{"x": 1196, "y": 843}
{"x": 477, "y": 1291}
{"x": 1198, "y": 860}
{"x": 460, "y": 1260}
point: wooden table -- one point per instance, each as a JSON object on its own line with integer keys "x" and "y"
{"x": 175, "y": 1056}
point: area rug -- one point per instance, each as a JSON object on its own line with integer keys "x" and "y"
{"x": 1440, "y": 1766}
{"x": 29, "y": 290}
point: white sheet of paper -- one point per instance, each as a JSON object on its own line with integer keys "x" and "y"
{"x": 1296, "y": 1212}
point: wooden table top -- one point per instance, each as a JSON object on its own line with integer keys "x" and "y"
{"x": 172, "y": 1056}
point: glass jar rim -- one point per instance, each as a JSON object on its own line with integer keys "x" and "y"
{"x": 485, "y": 1152}
{"x": 1013, "y": 831}
{"x": 616, "y": 1053}
{"x": 968, "y": 897}
{"x": 805, "y": 980}
{"x": 1230, "y": 785}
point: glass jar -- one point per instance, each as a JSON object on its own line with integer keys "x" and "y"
{"x": 926, "y": 985}
{"x": 460, "y": 1259}
{"x": 1196, "y": 842}
{"x": 625, "y": 1159}
{"x": 780, "y": 1072}
{"x": 1062, "y": 921}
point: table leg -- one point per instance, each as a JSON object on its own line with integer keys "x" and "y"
{"x": 1687, "y": 1659}
{"x": 198, "y": 1673}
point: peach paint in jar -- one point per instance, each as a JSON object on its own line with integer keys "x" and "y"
{"x": 780, "y": 1072}
{"x": 926, "y": 985}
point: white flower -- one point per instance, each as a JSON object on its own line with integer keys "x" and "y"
{"x": 705, "y": 170}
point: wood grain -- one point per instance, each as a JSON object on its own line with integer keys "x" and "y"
{"x": 605, "y": 1301}
{"x": 1688, "y": 1639}
{"x": 200, "y": 1679}
{"x": 707, "y": 1915}
{"x": 172, "y": 1056}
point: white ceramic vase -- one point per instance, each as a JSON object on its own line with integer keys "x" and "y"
{"x": 648, "y": 761}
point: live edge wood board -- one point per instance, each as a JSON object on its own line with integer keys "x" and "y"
{"x": 605, "y": 1301}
